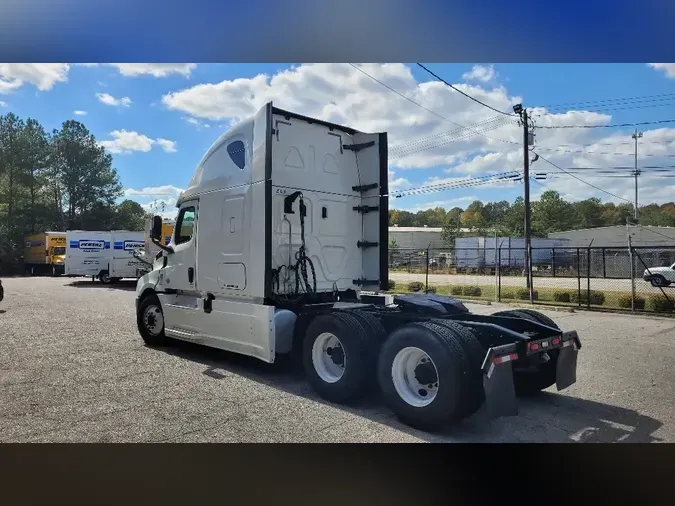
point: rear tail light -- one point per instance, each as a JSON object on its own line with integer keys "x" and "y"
{"x": 555, "y": 341}
{"x": 533, "y": 346}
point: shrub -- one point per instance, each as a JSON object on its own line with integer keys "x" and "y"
{"x": 624, "y": 301}
{"x": 471, "y": 291}
{"x": 391, "y": 284}
{"x": 508, "y": 294}
{"x": 596, "y": 298}
{"x": 415, "y": 286}
{"x": 561, "y": 296}
{"x": 431, "y": 289}
{"x": 659, "y": 303}
{"x": 455, "y": 290}
{"x": 524, "y": 294}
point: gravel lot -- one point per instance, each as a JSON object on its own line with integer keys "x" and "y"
{"x": 73, "y": 368}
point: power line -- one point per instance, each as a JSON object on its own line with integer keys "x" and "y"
{"x": 466, "y": 95}
{"x": 411, "y": 150}
{"x": 418, "y": 104}
{"x": 565, "y": 104}
{"x": 603, "y": 110}
{"x": 665, "y": 155}
{"x": 618, "y": 125}
{"x": 579, "y": 179}
{"x": 459, "y": 133}
{"x": 609, "y": 144}
{"x": 466, "y": 183}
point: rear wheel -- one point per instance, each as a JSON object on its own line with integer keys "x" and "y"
{"x": 423, "y": 373}
{"x": 104, "y": 277}
{"x": 338, "y": 357}
{"x": 150, "y": 321}
{"x": 475, "y": 354}
{"x": 529, "y": 381}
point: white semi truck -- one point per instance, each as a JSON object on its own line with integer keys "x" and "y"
{"x": 279, "y": 236}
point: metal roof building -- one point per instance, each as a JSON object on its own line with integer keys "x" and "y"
{"x": 617, "y": 236}
{"x": 416, "y": 237}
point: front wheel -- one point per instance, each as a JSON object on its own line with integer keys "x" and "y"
{"x": 104, "y": 278}
{"x": 659, "y": 281}
{"x": 150, "y": 320}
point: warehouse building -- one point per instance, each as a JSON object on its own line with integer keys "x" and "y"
{"x": 617, "y": 236}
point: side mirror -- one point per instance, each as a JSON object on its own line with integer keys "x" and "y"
{"x": 156, "y": 233}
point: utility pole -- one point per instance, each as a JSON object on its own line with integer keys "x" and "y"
{"x": 518, "y": 109}
{"x": 637, "y": 135}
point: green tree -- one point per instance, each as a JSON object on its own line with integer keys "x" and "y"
{"x": 86, "y": 173}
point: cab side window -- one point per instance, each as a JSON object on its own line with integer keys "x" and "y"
{"x": 185, "y": 225}
{"x": 237, "y": 152}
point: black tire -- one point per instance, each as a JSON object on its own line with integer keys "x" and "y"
{"x": 358, "y": 352}
{"x": 371, "y": 323}
{"x": 475, "y": 354}
{"x": 2, "y": 292}
{"x": 659, "y": 281}
{"x": 541, "y": 318}
{"x": 151, "y": 337}
{"x": 532, "y": 382}
{"x": 104, "y": 277}
{"x": 448, "y": 357}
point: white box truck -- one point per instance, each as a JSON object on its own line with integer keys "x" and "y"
{"x": 279, "y": 234}
{"x": 123, "y": 263}
{"x": 88, "y": 254}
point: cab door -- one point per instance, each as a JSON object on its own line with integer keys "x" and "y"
{"x": 179, "y": 278}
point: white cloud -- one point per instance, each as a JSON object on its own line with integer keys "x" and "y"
{"x": 41, "y": 75}
{"x": 3, "y": 104}
{"x": 125, "y": 142}
{"x": 80, "y": 113}
{"x": 196, "y": 122}
{"x": 668, "y": 68}
{"x": 419, "y": 140}
{"x": 167, "y": 145}
{"x": 480, "y": 73}
{"x": 397, "y": 183}
{"x": 462, "y": 202}
{"x": 154, "y": 191}
{"x": 148, "y": 69}
{"x": 154, "y": 69}
{"x": 157, "y": 199}
{"x": 108, "y": 99}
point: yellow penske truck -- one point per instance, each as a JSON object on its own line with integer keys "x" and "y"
{"x": 45, "y": 253}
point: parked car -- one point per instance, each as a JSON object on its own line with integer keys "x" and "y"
{"x": 660, "y": 276}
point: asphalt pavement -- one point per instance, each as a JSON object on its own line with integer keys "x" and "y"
{"x": 73, "y": 369}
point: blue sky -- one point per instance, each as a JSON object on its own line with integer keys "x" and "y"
{"x": 171, "y": 114}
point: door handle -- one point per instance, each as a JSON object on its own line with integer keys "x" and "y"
{"x": 191, "y": 274}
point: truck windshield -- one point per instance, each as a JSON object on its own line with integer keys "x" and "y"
{"x": 59, "y": 251}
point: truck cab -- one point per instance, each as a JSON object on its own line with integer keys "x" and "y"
{"x": 282, "y": 211}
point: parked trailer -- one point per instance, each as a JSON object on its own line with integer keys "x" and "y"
{"x": 479, "y": 252}
{"x": 273, "y": 254}
{"x": 88, "y": 254}
{"x": 122, "y": 263}
{"x": 45, "y": 253}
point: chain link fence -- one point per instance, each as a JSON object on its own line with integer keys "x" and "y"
{"x": 635, "y": 279}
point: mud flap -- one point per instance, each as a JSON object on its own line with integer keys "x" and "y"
{"x": 500, "y": 391}
{"x": 566, "y": 368}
